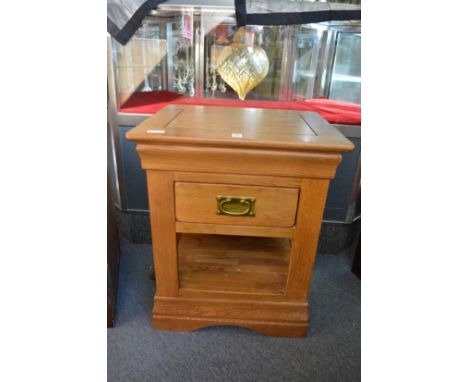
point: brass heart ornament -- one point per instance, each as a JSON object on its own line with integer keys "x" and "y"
{"x": 242, "y": 67}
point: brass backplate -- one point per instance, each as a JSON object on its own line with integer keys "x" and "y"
{"x": 236, "y": 205}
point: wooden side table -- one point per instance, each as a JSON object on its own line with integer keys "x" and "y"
{"x": 236, "y": 201}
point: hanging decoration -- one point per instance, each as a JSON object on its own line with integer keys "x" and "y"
{"x": 242, "y": 64}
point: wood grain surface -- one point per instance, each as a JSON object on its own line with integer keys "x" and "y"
{"x": 257, "y": 265}
{"x": 237, "y": 127}
{"x": 274, "y": 206}
{"x": 162, "y": 217}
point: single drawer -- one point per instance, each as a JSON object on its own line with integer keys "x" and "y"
{"x": 240, "y": 205}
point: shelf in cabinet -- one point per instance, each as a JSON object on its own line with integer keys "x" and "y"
{"x": 239, "y": 264}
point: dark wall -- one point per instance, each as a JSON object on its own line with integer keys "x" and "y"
{"x": 133, "y": 176}
{"x": 339, "y": 193}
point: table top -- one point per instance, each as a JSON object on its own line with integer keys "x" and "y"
{"x": 240, "y": 127}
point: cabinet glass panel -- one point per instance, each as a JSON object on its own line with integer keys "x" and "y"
{"x": 345, "y": 82}
{"x": 222, "y": 35}
{"x": 181, "y": 55}
{"x": 159, "y": 57}
{"x": 306, "y": 60}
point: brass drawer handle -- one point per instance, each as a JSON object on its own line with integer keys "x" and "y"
{"x": 236, "y": 205}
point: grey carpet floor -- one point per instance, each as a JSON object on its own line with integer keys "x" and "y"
{"x": 330, "y": 352}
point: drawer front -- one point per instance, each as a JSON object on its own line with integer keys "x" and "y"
{"x": 240, "y": 205}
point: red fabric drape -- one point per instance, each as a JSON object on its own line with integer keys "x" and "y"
{"x": 333, "y": 111}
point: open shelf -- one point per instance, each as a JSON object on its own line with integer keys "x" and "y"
{"x": 233, "y": 263}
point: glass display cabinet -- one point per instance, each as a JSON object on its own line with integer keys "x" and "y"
{"x": 179, "y": 52}
{"x": 159, "y": 58}
{"x": 328, "y": 62}
{"x": 175, "y": 57}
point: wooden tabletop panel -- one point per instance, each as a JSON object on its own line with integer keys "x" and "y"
{"x": 240, "y": 127}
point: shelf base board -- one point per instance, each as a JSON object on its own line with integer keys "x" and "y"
{"x": 281, "y": 319}
{"x": 268, "y": 328}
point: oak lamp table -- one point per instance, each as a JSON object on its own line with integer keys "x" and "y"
{"x": 236, "y": 200}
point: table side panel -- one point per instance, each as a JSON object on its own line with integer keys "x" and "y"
{"x": 306, "y": 235}
{"x": 163, "y": 232}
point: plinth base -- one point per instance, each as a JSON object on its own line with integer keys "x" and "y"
{"x": 282, "y": 319}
